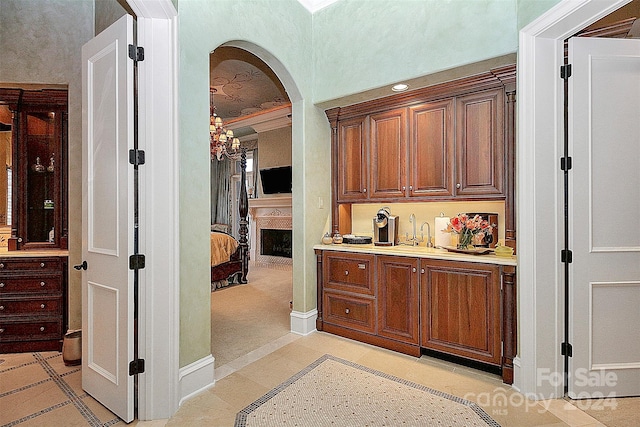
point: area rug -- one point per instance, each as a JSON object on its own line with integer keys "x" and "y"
{"x": 336, "y": 392}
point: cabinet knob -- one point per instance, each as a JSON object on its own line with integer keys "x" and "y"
{"x": 414, "y": 269}
{"x": 1, "y": 265}
{"x": 1, "y": 330}
{"x": 346, "y": 311}
{"x": 42, "y": 264}
{"x": 2, "y": 285}
{"x": 364, "y": 190}
{"x": 41, "y": 328}
{"x": 404, "y": 188}
{"x": 422, "y": 270}
{"x": 42, "y": 305}
{"x": 42, "y": 283}
{"x": 411, "y": 188}
{"x": 1, "y": 307}
{"x": 346, "y": 272}
{"x": 458, "y": 185}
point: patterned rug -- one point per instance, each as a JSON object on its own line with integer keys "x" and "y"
{"x": 336, "y": 392}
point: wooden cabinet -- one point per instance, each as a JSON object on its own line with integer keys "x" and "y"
{"x": 398, "y": 298}
{"x": 39, "y": 167}
{"x": 460, "y": 310}
{"x": 409, "y": 304}
{"x": 349, "y": 292}
{"x": 33, "y": 295}
{"x": 352, "y": 160}
{"x": 480, "y": 144}
{"x": 388, "y": 154}
{"x": 432, "y": 149}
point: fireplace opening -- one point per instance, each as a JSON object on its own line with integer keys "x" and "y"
{"x": 275, "y": 242}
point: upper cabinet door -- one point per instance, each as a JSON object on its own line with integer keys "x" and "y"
{"x": 432, "y": 149}
{"x": 389, "y": 154}
{"x": 480, "y": 144}
{"x": 353, "y": 169}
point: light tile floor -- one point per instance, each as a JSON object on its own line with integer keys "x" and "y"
{"x": 30, "y": 395}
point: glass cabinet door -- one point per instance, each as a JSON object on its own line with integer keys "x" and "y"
{"x": 42, "y": 136}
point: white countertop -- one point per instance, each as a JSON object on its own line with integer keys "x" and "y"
{"x": 32, "y": 253}
{"x": 420, "y": 252}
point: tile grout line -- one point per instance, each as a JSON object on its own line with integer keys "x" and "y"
{"x": 84, "y": 410}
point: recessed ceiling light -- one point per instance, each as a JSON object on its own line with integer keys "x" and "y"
{"x": 400, "y": 87}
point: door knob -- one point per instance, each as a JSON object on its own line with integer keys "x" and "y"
{"x": 82, "y": 266}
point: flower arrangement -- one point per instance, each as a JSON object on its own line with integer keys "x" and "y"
{"x": 472, "y": 230}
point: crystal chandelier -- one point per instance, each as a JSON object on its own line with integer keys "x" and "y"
{"x": 222, "y": 141}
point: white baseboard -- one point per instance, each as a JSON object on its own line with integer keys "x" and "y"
{"x": 517, "y": 375}
{"x": 196, "y": 378}
{"x": 303, "y": 323}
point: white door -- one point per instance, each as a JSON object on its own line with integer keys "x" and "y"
{"x": 107, "y": 218}
{"x": 604, "y": 129}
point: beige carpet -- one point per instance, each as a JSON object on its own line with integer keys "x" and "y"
{"x": 246, "y": 317}
{"x": 333, "y": 391}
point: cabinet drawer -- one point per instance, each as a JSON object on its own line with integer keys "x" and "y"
{"x": 349, "y": 272}
{"x": 352, "y": 312}
{"x": 41, "y": 283}
{"x": 30, "y": 307}
{"x": 29, "y": 264}
{"x": 30, "y": 330}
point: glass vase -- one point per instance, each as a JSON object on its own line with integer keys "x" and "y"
{"x": 465, "y": 240}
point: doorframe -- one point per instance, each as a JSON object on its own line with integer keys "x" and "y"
{"x": 159, "y": 391}
{"x": 538, "y": 371}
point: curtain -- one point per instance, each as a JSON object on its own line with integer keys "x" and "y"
{"x": 220, "y": 191}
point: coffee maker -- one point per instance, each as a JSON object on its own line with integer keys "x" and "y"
{"x": 385, "y": 228}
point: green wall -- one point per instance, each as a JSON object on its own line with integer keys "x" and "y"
{"x": 363, "y": 44}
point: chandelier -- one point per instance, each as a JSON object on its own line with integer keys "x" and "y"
{"x": 222, "y": 142}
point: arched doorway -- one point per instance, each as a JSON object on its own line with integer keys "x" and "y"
{"x": 252, "y": 102}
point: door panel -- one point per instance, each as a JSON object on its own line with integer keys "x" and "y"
{"x": 604, "y": 285}
{"x": 389, "y": 154}
{"x": 432, "y": 149}
{"x": 107, "y": 218}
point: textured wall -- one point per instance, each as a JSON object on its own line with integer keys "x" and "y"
{"x": 41, "y": 42}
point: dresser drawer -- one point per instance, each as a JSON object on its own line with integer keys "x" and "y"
{"x": 349, "y": 272}
{"x": 30, "y": 307}
{"x": 349, "y": 311}
{"x": 29, "y": 264}
{"x": 45, "y": 283}
{"x": 45, "y": 329}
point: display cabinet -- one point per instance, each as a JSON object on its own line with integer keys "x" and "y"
{"x": 39, "y": 182}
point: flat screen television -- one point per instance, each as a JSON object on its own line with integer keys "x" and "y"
{"x": 276, "y": 180}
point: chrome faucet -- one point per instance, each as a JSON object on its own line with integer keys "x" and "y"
{"x": 413, "y": 241}
{"x": 428, "y": 244}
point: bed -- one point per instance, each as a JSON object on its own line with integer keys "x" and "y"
{"x": 230, "y": 257}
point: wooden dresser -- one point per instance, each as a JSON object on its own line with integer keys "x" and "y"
{"x": 33, "y": 301}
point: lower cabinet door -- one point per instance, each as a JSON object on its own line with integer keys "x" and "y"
{"x": 398, "y": 298}
{"x": 460, "y": 309}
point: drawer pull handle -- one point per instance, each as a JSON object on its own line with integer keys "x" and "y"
{"x": 41, "y": 328}
{"x": 1, "y": 307}
{"x": 362, "y": 266}
{"x": 346, "y": 272}
{"x": 42, "y": 264}
{"x": 1, "y": 265}
{"x": 2, "y": 285}
{"x": 42, "y": 305}
{"x": 1, "y": 330}
{"x": 346, "y": 311}
{"x": 42, "y": 283}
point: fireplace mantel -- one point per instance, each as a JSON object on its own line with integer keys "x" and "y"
{"x": 270, "y": 202}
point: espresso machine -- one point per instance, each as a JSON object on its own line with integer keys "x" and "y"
{"x": 385, "y": 228}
